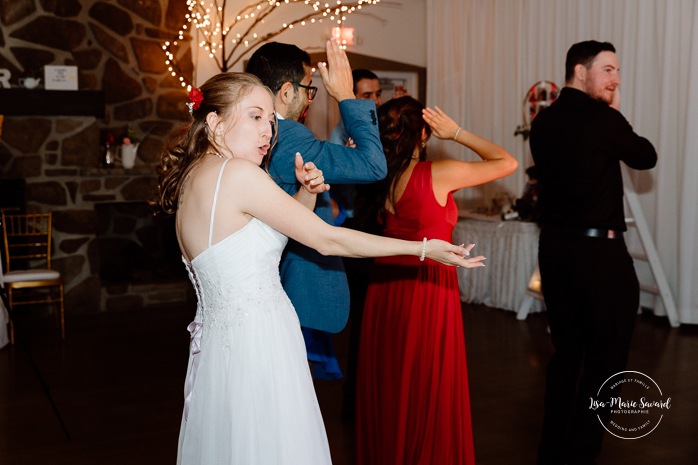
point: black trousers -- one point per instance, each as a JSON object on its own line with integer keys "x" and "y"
{"x": 592, "y": 297}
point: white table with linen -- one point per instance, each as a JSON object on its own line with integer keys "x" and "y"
{"x": 511, "y": 248}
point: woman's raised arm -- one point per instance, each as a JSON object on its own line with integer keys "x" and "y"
{"x": 451, "y": 175}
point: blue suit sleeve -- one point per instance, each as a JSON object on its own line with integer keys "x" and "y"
{"x": 339, "y": 164}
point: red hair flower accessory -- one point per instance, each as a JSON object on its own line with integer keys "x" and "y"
{"x": 195, "y": 99}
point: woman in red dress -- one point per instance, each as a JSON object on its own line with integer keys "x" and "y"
{"x": 413, "y": 404}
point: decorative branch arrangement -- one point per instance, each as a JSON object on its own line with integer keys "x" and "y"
{"x": 227, "y": 43}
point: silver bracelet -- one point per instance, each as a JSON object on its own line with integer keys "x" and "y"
{"x": 424, "y": 249}
{"x": 455, "y": 136}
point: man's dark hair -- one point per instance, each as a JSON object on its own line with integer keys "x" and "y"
{"x": 359, "y": 74}
{"x": 275, "y": 63}
{"x": 584, "y": 53}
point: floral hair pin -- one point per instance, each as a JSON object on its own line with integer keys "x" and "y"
{"x": 195, "y": 99}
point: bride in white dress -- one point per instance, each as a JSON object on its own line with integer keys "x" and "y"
{"x": 249, "y": 396}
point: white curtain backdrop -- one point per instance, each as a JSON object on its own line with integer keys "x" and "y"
{"x": 483, "y": 56}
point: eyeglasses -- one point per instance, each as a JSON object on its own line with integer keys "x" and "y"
{"x": 312, "y": 90}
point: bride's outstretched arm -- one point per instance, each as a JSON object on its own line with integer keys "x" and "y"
{"x": 256, "y": 194}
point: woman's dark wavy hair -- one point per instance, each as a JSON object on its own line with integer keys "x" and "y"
{"x": 400, "y": 123}
{"x": 187, "y": 145}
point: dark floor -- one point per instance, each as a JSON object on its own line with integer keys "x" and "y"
{"x": 111, "y": 393}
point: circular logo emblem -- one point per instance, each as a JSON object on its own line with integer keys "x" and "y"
{"x": 635, "y": 403}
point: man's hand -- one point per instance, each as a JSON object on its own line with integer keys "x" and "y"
{"x": 336, "y": 73}
{"x": 310, "y": 176}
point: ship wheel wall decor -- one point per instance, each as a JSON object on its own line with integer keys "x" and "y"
{"x": 539, "y": 96}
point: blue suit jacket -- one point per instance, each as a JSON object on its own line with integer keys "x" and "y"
{"x": 317, "y": 285}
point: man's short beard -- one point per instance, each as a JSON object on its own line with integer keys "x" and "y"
{"x": 298, "y": 114}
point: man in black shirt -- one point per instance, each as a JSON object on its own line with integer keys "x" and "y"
{"x": 589, "y": 282}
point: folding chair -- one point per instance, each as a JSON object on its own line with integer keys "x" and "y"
{"x": 27, "y": 241}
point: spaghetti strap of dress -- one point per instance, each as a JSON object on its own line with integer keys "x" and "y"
{"x": 215, "y": 200}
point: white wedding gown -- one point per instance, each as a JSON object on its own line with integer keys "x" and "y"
{"x": 249, "y": 394}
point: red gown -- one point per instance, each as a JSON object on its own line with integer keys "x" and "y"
{"x": 413, "y": 404}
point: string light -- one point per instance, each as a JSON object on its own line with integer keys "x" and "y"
{"x": 208, "y": 21}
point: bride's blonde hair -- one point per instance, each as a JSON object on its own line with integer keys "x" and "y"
{"x": 187, "y": 145}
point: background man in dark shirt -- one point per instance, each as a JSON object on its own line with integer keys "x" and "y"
{"x": 589, "y": 282}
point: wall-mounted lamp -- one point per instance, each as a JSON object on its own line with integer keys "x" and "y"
{"x": 344, "y": 35}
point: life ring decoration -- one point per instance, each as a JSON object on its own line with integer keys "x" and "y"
{"x": 539, "y": 96}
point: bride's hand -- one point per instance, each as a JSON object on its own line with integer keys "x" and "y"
{"x": 310, "y": 176}
{"x": 453, "y": 255}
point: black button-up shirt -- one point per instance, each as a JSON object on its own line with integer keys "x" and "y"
{"x": 577, "y": 145}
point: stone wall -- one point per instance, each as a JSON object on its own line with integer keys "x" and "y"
{"x": 117, "y": 47}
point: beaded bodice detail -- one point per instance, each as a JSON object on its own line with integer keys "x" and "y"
{"x": 238, "y": 275}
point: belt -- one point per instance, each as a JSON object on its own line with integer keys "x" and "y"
{"x": 587, "y": 232}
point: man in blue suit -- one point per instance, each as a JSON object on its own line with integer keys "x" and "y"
{"x": 317, "y": 285}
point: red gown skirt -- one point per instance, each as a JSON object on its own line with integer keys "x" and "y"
{"x": 413, "y": 404}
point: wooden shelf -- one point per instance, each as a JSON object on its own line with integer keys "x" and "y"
{"x": 39, "y": 102}
{"x": 118, "y": 171}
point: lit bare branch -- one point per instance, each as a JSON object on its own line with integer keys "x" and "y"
{"x": 227, "y": 42}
